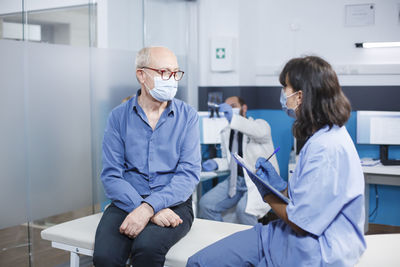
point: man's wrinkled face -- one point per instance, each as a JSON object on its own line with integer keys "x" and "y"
{"x": 161, "y": 58}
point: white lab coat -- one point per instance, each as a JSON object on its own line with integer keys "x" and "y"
{"x": 257, "y": 142}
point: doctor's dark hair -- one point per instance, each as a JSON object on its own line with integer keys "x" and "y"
{"x": 241, "y": 101}
{"x": 323, "y": 102}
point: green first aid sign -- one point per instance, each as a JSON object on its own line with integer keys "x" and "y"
{"x": 220, "y": 53}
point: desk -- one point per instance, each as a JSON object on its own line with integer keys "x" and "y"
{"x": 379, "y": 174}
{"x": 205, "y": 176}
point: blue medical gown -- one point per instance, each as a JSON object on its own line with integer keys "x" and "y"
{"x": 327, "y": 193}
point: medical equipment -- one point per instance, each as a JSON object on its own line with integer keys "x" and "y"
{"x": 380, "y": 128}
{"x": 214, "y": 99}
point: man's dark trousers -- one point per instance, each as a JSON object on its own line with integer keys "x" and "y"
{"x": 148, "y": 249}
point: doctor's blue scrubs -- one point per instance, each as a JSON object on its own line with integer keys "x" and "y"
{"x": 327, "y": 201}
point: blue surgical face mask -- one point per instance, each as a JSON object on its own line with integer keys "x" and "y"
{"x": 164, "y": 90}
{"x": 291, "y": 112}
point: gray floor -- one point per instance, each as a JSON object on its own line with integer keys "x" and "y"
{"x": 15, "y": 247}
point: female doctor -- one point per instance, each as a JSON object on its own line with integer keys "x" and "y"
{"x": 323, "y": 224}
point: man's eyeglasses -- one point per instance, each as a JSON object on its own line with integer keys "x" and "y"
{"x": 166, "y": 74}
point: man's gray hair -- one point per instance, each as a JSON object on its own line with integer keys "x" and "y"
{"x": 143, "y": 58}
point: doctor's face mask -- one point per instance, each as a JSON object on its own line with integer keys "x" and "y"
{"x": 291, "y": 112}
{"x": 236, "y": 111}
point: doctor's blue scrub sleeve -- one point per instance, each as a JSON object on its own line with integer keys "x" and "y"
{"x": 328, "y": 180}
{"x": 117, "y": 189}
{"x": 326, "y": 190}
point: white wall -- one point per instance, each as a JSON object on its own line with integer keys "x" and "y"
{"x": 217, "y": 19}
{"x": 120, "y": 24}
{"x": 268, "y": 33}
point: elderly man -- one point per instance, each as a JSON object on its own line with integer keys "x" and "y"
{"x": 251, "y": 139}
{"x": 151, "y": 165}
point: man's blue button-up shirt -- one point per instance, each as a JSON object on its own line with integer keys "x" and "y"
{"x": 160, "y": 167}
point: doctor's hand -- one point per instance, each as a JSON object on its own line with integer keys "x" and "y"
{"x": 135, "y": 222}
{"x": 227, "y": 110}
{"x": 263, "y": 189}
{"x": 166, "y": 218}
{"x": 266, "y": 171}
{"x": 209, "y": 165}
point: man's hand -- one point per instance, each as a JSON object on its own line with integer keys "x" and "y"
{"x": 165, "y": 218}
{"x": 135, "y": 222}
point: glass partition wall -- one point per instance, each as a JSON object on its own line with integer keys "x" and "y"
{"x": 64, "y": 65}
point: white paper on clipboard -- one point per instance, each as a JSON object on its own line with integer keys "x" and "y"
{"x": 253, "y": 175}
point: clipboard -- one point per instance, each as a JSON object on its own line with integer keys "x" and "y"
{"x": 241, "y": 162}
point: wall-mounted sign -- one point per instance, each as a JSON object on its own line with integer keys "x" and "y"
{"x": 360, "y": 15}
{"x": 221, "y": 54}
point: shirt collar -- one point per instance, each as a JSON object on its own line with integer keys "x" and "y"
{"x": 170, "y": 106}
{"x": 323, "y": 130}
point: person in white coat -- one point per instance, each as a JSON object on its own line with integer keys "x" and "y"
{"x": 251, "y": 139}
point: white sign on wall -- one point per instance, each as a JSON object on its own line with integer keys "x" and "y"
{"x": 360, "y": 15}
{"x": 221, "y": 53}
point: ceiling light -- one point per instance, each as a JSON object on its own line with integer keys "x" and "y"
{"x": 377, "y": 44}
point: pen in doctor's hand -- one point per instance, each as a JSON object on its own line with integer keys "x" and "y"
{"x": 273, "y": 153}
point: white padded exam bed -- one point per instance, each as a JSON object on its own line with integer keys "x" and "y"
{"x": 77, "y": 237}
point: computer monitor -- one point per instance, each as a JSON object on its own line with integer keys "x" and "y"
{"x": 379, "y": 128}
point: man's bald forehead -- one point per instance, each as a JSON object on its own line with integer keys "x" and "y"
{"x": 162, "y": 57}
{"x": 160, "y": 49}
